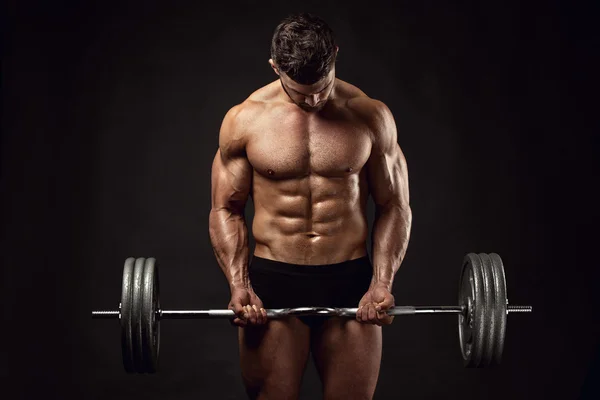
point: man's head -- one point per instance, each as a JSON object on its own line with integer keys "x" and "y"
{"x": 303, "y": 52}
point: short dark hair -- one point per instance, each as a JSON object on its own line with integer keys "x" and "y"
{"x": 303, "y": 46}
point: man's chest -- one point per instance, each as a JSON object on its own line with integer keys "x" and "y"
{"x": 287, "y": 148}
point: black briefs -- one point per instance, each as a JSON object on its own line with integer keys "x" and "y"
{"x": 283, "y": 285}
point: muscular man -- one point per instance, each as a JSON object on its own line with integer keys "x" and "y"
{"x": 309, "y": 148}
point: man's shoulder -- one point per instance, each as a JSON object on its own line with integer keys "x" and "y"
{"x": 361, "y": 104}
{"x": 372, "y": 112}
{"x": 248, "y": 110}
{"x": 240, "y": 118}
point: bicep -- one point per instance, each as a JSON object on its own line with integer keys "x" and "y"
{"x": 387, "y": 169}
{"x": 231, "y": 181}
{"x": 388, "y": 176}
{"x": 231, "y": 175}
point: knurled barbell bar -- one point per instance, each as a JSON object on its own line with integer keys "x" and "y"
{"x": 482, "y": 311}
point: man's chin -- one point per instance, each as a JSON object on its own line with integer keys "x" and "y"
{"x": 311, "y": 109}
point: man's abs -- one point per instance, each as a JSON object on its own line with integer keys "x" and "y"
{"x": 313, "y": 220}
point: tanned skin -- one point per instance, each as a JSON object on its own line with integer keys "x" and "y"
{"x": 310, "y": 155}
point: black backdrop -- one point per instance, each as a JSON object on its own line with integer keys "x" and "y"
{"x": 110, "y": 121}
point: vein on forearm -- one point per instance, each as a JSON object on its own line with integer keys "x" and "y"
{"x": 229, "y": 238}
{"x": 391, "y": 234}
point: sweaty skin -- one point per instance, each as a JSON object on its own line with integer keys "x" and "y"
{"x": 309, "y": 172}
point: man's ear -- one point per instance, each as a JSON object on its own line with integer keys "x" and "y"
{"x": 273, "y": 66}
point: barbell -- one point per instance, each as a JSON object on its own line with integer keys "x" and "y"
{"x": 482, "y": 312}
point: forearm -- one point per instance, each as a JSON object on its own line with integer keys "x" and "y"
{"x": 229, "y": 238}
{"x": 391, "y": 233}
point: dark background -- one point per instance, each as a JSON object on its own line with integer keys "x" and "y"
{"x": 110, "y": 121}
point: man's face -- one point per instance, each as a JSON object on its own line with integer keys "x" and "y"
{"x": 310, "y": 98}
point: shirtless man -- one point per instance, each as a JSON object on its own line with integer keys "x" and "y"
{"x": 309, "y": 148}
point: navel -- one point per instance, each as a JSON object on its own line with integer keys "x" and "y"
{"x": 270, "y": 172}
{"x": 349, "y": 169}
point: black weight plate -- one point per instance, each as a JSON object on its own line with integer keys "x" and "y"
{"x": 489, "y": 294}
{"x": 471, "y": 329}
{"x": 501, "y": 306}
{"x": 126, "y": 339}
{"x": 465, "y": 324}
{"x": 136, "y": 314}
{"x": 150, "y": 322}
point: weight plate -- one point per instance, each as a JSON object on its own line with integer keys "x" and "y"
{"x": 501, "y": 306}
{"x": 136, "y": 314}
{"x": 471, "y": 325}
{"x": 125, "y": 316}
{"x": 150, "y": 322}
{"x": 465, "y": 300}
{"x": 465, "y": 325}
{"x": 489, "y": 294}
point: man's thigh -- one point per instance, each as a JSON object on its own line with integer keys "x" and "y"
{"x": 348, "y": 356}
{"x": 273, "y": 358}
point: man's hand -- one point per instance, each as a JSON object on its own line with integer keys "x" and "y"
{"x": 248, "y": 308}
{"x": 372, "y": 306}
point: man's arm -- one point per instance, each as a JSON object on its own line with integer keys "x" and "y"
{"x": 388, "y": 184}
{"x": 231, "y": 181}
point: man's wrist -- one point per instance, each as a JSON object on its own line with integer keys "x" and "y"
{"x": 375, "y": 283}
{"x": 237, "y": 285}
